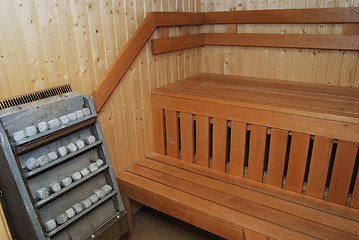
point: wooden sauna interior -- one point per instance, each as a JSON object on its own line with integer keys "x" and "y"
{"x": 44, "y": 44}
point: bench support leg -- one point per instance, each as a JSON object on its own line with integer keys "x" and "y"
{"x": 127, "y": 204}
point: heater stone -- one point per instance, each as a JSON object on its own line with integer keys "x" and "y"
{"x": 71, "y": 148}
{"x": 72, "y": 117}
{"x": 85, "y": 172}
{"x": 93, "y": 198}
{"x": 90, "y": 140}
{"x": 86, "y": 111}
{"x": 99, "y": 162}
{"x": 66, "y": 181}
{"x": 50, "y": 225}
{"x": 80, "y": 144}
{"x": 42, "y": 126}
{"x": 53, "y": 123}
{"x": 55, "y": 187}
{"x": 70, "y": 212}
{"x": 93, "y": 167}
{"x": 62, "y": 151}
{"x": 62, "y": 218}
{"x": 100, "y": 193}
{"x": 107, "y": 189}
{"x": 52, "y": 156}
{"x": 42, "y": 193}
{"x": 19, "y": 135}
{"x": 76, "y": 176}
{"x": 32, "y": 163}
{"x": 30, "y": 131}
{"x": 86, "y": 203}
{"x": 43, "y": 160}
{"x": 79, "y": 114}
{"x": 78, "y": 208}
{"x": 64, "y": 119}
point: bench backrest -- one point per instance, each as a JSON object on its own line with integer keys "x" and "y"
{"x": 284, "y": 150}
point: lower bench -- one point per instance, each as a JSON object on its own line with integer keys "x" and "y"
{"x": 229, "y": 205}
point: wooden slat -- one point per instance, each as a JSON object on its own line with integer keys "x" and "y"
{"x": 158, "y": 130}
{"x": 164, "y": 45}
{"x": 350, "y": 29}
{"x": 322, "y": 149}
{"x": 187, "y": 137}
{"x": 202, "y": 140}
{"x": 323, "y": 15}
{"x": 172, "y": 133}
{"x": 252, "y": 235}
{"x": 276, "y": 158}
{"x": 342, "y": 171}
{"x": 219, "y": 144}
{"x": 355, "y": 196}
{"x": 119, "y": 66}
{"x": 297, "y": 161}
{"x": 256, "y": 152}
{"x": 238, "y": 144}
{"x": 308, "y": 41}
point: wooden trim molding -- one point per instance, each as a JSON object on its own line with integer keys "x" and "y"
{"x": 128, "y": 54}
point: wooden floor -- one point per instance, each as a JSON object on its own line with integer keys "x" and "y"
{"x": 153, "y": 225}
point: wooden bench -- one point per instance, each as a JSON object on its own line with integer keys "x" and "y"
{"x": 249, "y": 158}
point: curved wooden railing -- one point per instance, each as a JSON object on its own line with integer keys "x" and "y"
{"x": 347, "y": 41}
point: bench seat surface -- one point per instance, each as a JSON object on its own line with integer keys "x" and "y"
{"x": 189, "y": 191}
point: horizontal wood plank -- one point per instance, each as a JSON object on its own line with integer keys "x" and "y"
{"x": 308, "y": 41}
{"x": 164, "y": 45}
{"x": 318, "y": 15}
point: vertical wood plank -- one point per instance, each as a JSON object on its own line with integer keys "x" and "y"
{"x": 297, "y": 161}
{"x": 354, "y": 203}
{"x": 158, "y": 131}
{"x": 202, "y": 140}
{"x": 276, "y": 158}
{"x": 187, "y": 137}
{"x": 342, "y": 171}
{"x": 219, "y": 144}
{"x": 322, "y": 149}
{"x": 238, "y": 144}
{"x": 172, "y": 133}
{"x": 256, "y": 152}
{"x": 252, "y": 235}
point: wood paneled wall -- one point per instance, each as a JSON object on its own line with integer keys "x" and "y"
{"x": 301, "y": 65}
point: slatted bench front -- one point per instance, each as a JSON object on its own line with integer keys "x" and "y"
{"x": 235, "y": 155}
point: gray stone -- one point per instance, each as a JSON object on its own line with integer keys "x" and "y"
{"x": 53, "y": 123}
{"x": 43, "y": 160}
{"x": 42, "y": 126}
{"x": 86, "y": 111}
{"x": 19, "y": 135}
{"x": 30, "y": 131}
{"x": 32, "y": 163}
{"x": 71, "y": 148}
{"x": 80, "y": 144}
{"x": 66, "y": 181}
{"x": 90, "y": 140}
{"x": 79, "y": 114}
{"x": 50, "y": 225}
{"x": 78, "y": 208}
{"x": 93, "y": 167}
{"x": 72, "y": 117}
{"x": 42, "y": 193}
{"x": 99, "y": 162}
{"x": 64, "y": 120}
{"x": 55, "y": 187}
{"x": 62, "y": 218}
{"x": 85, "y": 172}
{"x": 62, "y": 151}
{"x": 52, "y": 156}
{"x": 70, "y": 212}
{"x": 100, "y": 193}
{"x": 76, "y": 176}
{"x": 86, "y": 203}
{"x": 107, "y": 189}
{"x": 93, "y": 198}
